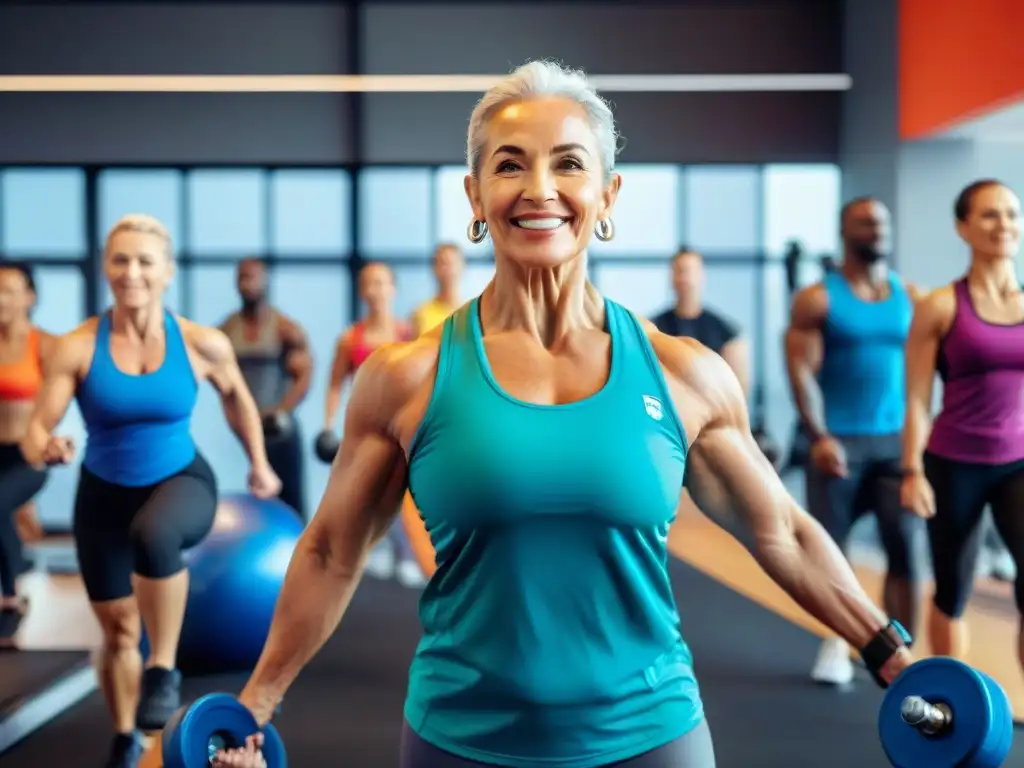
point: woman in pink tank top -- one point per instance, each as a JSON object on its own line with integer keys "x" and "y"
{"x": 394, "y": 556}
{"x": 971, "y": 333}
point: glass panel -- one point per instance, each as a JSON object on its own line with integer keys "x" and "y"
{"x": 644, "y": 289}
{"x": 43, "y": 212}
{"x": 226, "y": 212}
{"x": 395, "y": 205}
{"x": 802, "y": 203}
{"x": 453, "y": 210}
{"x": 723, "y": 209}
{"x": 310, "y": 213}
{"x": 646, "y": 214}
{"x": 154, "y": 192}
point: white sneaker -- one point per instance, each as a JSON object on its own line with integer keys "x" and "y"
{"x": 381, "y": 563}
{"x": 833, "y": 665}
{"x": 1002, "y": 566}
{"x": 409, "y": 574}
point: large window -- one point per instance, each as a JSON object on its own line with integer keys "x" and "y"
{"x": 43, "y": 213}
{"x": 723, "y": 209}
{"x": 646, "y": 215}
{"x": 309, "y": 214}
{"x": 396, "y": 212}
{"x": 802, "y": 203}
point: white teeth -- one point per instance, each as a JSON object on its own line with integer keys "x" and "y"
{"x": 539, "y": 223}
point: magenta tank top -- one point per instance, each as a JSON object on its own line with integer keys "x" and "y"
{"x": 982, "y": 369}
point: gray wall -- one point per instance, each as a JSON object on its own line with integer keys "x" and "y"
{"x": 783, "y": 36}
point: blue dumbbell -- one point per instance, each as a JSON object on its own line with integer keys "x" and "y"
{"x": 214, "y": 722}
{"x": 941, "y": 713}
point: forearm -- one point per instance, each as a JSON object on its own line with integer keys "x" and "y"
{"x": 916, "y": 430}
{"x": 313, "y": 600}
{"x": 809, "y": 401}
{"x": 244, "y": 419}
{"x": 332, "y": 403}
{"x": 33, "y": 444}
{"x": 811, "y": 569}
{"x": 298, "y": 388}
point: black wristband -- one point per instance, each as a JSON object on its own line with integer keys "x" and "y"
{"x": 882, "y": 647}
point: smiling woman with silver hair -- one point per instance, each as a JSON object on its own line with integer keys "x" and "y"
{"x": 545, "y": 432}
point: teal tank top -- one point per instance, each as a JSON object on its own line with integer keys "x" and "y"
{"x": 862, "y": 374}
{"x": 550, "y": 631}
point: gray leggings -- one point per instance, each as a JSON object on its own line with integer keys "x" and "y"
{"x": 692, "y": 750}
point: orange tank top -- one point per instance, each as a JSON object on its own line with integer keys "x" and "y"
{"x": 21, "y": 379}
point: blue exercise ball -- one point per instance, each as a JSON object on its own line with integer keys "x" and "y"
{"x": 235, "y": 577}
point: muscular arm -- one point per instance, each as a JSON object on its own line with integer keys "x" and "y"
{"x": 737, "y": 354}
{"x": 363, "y": 492}
{"x": 222, "y": 371}
{"x": 61, "y": 366}
{"x": 728, "y": 477}
{"x": 932, "y": 317}
{"x": 803, "y": 357}
{"x": 298, "y": 363}
{"x": 340, "y": 369}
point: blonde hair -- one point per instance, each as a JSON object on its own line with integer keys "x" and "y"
{"x": 544, "y": 79}
{"x": 144, "y": 223}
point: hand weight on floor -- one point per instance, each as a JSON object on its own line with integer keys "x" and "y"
{"x": 216, "y": 721}
{"x": 941, "y": 713}
{"x": 277, "y": 424}
{"x": 326, "y": 446}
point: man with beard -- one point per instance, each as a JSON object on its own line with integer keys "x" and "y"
{"x": 845, "y": 358}
{"x": 274, "y": 356}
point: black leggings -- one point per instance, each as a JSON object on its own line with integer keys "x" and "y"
{"x": 285, "y": 455}
{"x": 19, "y": 483}
{"x": 121, "y": 530}
{"x": 961, "y": 492}
{"x": 691, "y": 750}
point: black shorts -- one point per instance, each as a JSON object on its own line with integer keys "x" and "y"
{"x": 872, "y": 485}
{"x": 120, "y": 530}
{"x": 962, "y": 491}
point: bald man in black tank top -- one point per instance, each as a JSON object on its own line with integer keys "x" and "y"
{"x": 273, "y": 354}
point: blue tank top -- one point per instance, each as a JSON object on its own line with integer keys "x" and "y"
{"x": 863, "y": 372}
{"x": 550, "y": 631}
{"x": 138, "y": 426}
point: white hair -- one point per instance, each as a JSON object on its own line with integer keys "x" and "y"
{"x": 141, "y": 222}
{"x": 538, "y": 80}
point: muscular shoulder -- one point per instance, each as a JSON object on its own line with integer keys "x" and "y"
{"x": 809, "y": 307}
{"x": 212, "y": 344}
{"x": 936, "y": 310}
{"x": 71, "y": 352}
{"x": 393, "y": 373}
{"x": 290, "y": 331}
{"x": 703, "y": 386}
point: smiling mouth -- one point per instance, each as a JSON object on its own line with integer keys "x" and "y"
{"x": 543, "y": 225}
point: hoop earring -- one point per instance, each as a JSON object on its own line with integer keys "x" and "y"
{"x": 605, "y": 230}
{"x": 477, "y": 231}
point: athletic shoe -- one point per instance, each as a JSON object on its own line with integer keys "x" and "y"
{"x": 160, "y": 697}
{"x": 125, "y": 751}
{"x": 833, "y": 665}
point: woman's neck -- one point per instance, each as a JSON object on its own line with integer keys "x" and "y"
{"x": 995, "y": 276}
{"x": 15, "y": 329}
{"x": 137, "y": 323}
{"x": 546, "y": 303}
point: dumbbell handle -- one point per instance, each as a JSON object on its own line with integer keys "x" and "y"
{"x": 926, "y": 717}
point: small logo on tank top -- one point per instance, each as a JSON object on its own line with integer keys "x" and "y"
{"x": 653, "y": 407}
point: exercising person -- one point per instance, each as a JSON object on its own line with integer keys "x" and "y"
{"x": 972, "y": 333}
{"x": 22, "y": 349}
{"x": 448, "y": 268}
{"x": 844, "y": 351}
{"x": 144, "y": 492}
{"x": 550, "y": 633}
{"x": 689, "y": 317}
{"x": 273, "y": 355}
{"x": 393, "y": 556}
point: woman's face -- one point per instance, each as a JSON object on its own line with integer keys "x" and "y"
{"x": 376, "y": 286}
{"x": 138, "y": 268}
{"x": 992, "y": 227}
{"x": 540, "y": 186}
{"x": 16, "y": 298}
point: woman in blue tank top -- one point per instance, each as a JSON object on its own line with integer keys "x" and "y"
{"x": 144, "y": 493}
{"x": 544, "y": 431}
